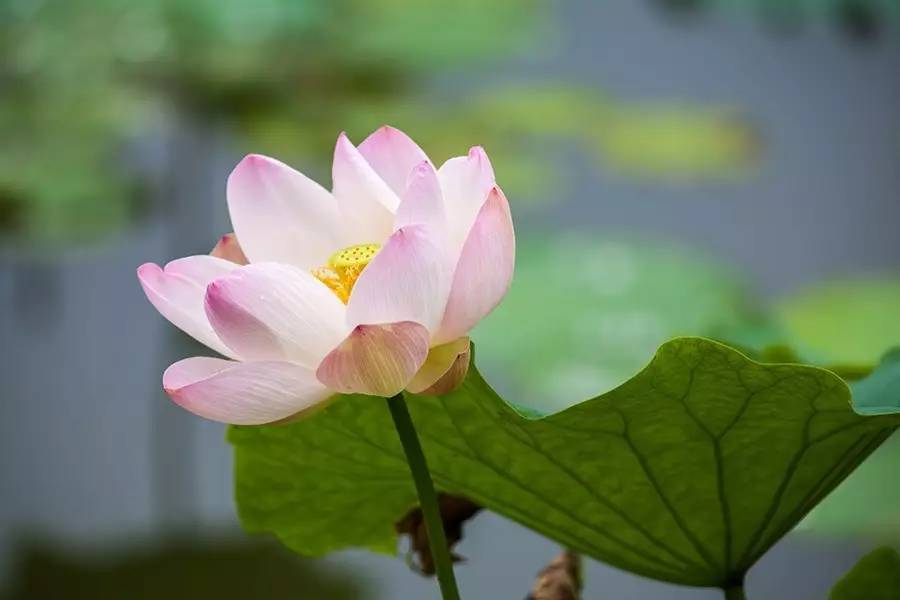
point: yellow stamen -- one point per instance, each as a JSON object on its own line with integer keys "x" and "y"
{"x": 344, "y": 268}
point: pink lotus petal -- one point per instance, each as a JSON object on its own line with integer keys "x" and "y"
{"x": 243, "y": 393}
{"x": 378, "y": 360}
{"x": 365, "y": 201}
{"x": 392, "y": 155}
{"x": 272, "y": 311}
{"x": 228, "y": 248}
{"x": 281, "y": 215}
{"x": 177, "y": 293}
{"x": 484, "y": 271}
{"x": 408, "y": 280}
{"x": 444, "y": 369}
{"x": 465, "y": 181}
{"x": 422, "y": 202}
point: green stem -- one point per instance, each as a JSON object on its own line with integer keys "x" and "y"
{"x": 437, "y": 539}
{"x": 735, "y": 592}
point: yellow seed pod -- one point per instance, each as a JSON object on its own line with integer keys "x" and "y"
{"x": 353, "y": 256}
{"x": 344, "y": 268}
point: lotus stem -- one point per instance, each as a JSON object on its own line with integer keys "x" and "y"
{"x": 437, "y": 539}
{"x": 735, "y": 592}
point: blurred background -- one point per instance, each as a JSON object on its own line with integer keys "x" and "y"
{"x": 701, "y": 167}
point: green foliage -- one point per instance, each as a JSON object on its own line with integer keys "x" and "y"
{"x": 875, "y": 577}
{"x": 127, "y": 65}
{"x": 688, "y": 472}
{"x": 622, "y": 299}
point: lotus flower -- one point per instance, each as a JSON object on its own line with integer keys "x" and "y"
{"x": 369, "y": 289}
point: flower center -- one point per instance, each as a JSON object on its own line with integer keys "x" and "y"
{"x": 344, "y": 268}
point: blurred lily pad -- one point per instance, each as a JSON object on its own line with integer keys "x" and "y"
{"x": 606, "y": 303}
{"x": 681, "y": 142}
{"x": 851, "y": 322}
{"x": 687, "y": 473}
{"x": 875, "y": 577}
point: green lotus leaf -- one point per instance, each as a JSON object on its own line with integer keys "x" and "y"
{"x": 851, "y": 323}
{"x": 686, "y": 473}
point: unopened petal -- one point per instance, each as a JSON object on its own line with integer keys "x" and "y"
{"x": 228, "y": 248}
{"x": 281, "y": 215}
{"x": 444, "y": 369}
{"x": 243, "y": 393}
{"x": 378, "y": 360}
{"x": 366, "y": 202}
{"x": 408, "y": 280}
{"x": 273, "y": 311}
{"x": 177, "y": 293}
{"x": 465, "y": 182}
{"x": 392, "y": 155}
{"x": 484, "y": 271}
{"x": 422, "y": 201}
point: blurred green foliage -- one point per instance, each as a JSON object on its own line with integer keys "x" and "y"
{"x": 84, "y": 77}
